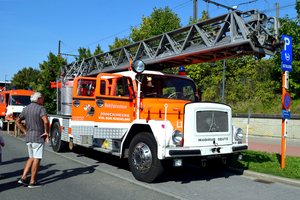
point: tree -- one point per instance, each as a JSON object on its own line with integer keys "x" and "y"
{"x": 159, "y": 22}
{"x": 120, "y": 43}
{"x": 246, "y": 80}
{"x": 49, "y": 72}
{"x": 83, "y": 53}
{"x": 26, "y": 78}
{"x": 203, "y": 17}
{"x": 98, "y": 50}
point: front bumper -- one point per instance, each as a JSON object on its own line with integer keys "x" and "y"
{"x": 204, "y": 151}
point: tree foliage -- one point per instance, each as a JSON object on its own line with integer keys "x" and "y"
{"x": 26, "y": 78}
{"x": 98, "y": 50}
{"x": 245, "y": 79}
{"x": 160, "y": 21}
{"x": 49, "y": 72}
{"x": 83, "y": 53}
{"x": 120, "y": 43}
{"x": 204, "y": 16}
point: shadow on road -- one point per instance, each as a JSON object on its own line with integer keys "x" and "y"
{"x": 185, "y": 174}
{"x": 18, "y": 174}
{"x": 65, "y": 174}
{"x": 15, "y": 160}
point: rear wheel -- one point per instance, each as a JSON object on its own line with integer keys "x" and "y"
{"x": 143, "y": 161}
{"x": 57, "y": 144}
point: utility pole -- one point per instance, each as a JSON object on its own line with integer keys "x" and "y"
{"x": 63, "y": 53}
{"x": 195, "y": 10}
{"x": 277, "y": 11}
{"x": 59, "y": 47}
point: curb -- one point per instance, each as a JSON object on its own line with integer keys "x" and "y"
{"x": 265, "y": 177}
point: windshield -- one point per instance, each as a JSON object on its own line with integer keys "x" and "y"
{"x": 155, "y": 86}
{"x": 19, "y": 100}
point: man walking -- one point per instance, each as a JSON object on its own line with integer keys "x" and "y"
{"x": 36, "y": 133}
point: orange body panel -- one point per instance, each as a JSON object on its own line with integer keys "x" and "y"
{"x": 154, "y": 109}
{"x": 2, "y": 105}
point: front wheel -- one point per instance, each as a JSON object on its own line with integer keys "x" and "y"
{"x": 143, "y": 161}
{"x": 57, "y": 144}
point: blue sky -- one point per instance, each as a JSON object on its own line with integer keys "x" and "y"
{"x": 30, "y": 29}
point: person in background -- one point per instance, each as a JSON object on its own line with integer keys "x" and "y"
{"x": 36, "y": 133}
{"x": 1, "y": 144}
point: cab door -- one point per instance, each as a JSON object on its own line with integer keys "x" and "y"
{"x": 83, "y": 103}
{"x": 114, "y": 100}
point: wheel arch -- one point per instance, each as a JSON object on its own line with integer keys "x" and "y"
{"x": 134, "y": 130}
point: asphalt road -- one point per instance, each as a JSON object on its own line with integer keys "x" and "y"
{"x": 89, "y": 174}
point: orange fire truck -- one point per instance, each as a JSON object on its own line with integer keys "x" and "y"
{"x": 12, "y": 103}
{"x": 133, "y": 110}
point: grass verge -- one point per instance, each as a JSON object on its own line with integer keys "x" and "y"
{"x": 269, "y": 163}
{"x": 258, "y": 107}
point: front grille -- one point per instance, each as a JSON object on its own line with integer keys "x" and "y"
{"x": 211, "y": 121}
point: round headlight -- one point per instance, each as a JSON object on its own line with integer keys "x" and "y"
{"x": 138, "y": 66}
{"x": 239, "y": 134}
{"x": 177, "y": 137}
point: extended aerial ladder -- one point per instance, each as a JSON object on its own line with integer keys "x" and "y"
{"x": 233, "y": 34}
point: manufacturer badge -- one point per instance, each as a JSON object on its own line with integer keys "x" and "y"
{"x": 100, "y": 103}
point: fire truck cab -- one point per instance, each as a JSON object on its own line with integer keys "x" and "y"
{"x": 14, "y": 102}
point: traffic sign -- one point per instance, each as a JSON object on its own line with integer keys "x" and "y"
{"x": 286, "y": 114}
{"x": 286, "y": 66}
{"x": 287, "y": 52}
{"x": 286, "y": 101}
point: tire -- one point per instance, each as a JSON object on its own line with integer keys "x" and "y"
{"x": 142, "y": 159}
{"x": 56, "y": 143}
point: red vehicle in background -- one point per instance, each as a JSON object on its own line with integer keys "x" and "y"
{"x": 12, "y": 103}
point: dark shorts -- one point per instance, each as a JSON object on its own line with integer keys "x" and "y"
{"x": 0, "y": 158}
